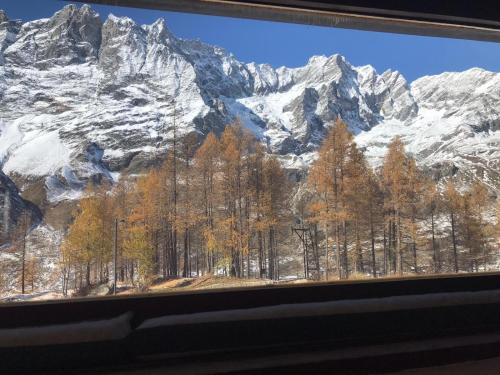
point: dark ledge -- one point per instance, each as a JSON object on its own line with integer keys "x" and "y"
{"x": 456, "y": 19}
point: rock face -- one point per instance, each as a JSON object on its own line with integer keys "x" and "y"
{"x": 81, "y": 98}
{"x": 456, "y": 128}
{"x": 8, "y": 32}
{"x": 12, "y": 206}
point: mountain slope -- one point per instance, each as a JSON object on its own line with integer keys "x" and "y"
{"x": 12, "y": 206}
{"x": 81, "y": 98}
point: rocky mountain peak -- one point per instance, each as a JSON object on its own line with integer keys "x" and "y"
{"x": 70, "y": 80}
{"x": 3, "y": 16}
{"x": 265, "y": 78}
{"x": 71, "y": 36}
{"x": 8, "y": 32}
{"x": 159, "y": 32}
{"x": 123, "y": 23}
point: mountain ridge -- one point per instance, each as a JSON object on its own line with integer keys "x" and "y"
{"x": 81, "y": 98}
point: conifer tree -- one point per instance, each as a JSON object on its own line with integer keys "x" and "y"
{"x": 258, "y": 197}
{"x": 330, "y": 169}
{"x": 473, "y": 227}
{"x": 452, "y": 200}
{"x": 373, "y": 211}
{"x": 431, "y": 199}
{"x": 319, "y": 180}
{"x": 122, "y": 204}
{"x": 395, "y": 179}
{"x": 206, "y": 163}
{"x": 32, "y": 271}
{"x": 358, "y": 198}
{"x": 89, "y": 236}
{"x": 187, "y": 215}
{"x": 235, "y": 144}
{"x": 19, "y": 240}
{"x": 274, "y": 209}
{"x": 414, "y": 205}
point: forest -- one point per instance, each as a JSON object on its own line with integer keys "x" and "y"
{"x": 224, "y": 206}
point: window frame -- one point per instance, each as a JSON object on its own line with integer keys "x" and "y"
{"x": 458, "y": 19}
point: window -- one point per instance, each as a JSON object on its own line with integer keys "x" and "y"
{"x": 139, "y": 156}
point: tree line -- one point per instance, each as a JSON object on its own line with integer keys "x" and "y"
{"x": 203, "y": 210}
{"x": 387, "y": 220}
{"x": 221, "y": 207}
{"x": 21, "y": 267}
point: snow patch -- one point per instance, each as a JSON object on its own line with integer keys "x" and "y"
{"x": 42, "y": 155}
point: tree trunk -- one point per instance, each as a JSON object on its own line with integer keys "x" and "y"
{"x": 23, "y": 263}
{"x": 304, "y": 248}
{"x": 234, "y": 262}
{"x": 173, "y": 257}
{"x": 326, "y": 251}
{"x": 197, "y": 261}
{"x": 399, "y": 251}
{"x": 271, "y": 254}
{"x": 372, "y": 236}
{"x": 276, "y": 258}
{"x": 385, "y": 251}
{"x": 414, "y": 244}
{"x": 166, "y": 249}
{"x": 436, "y": 257}
{"x": 87, "y": 275}
{"x": 346, "y": 255}
{"x": 415, "y": 266}
{"x": 359, "y": 253}
{"x": 454, "y": 241}
{"x": 316, "y": 251}
{"x": 185, "y": 271}
{"x": 337, "y": 250}
{"x": 262, "y": 268}
{"x": 390, "y": 248}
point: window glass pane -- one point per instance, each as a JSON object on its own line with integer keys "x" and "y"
{"x": 169, "y": 151}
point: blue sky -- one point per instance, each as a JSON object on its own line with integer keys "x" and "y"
{"x": 291, "y": 45}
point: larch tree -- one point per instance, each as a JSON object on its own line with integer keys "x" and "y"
{"x": 274, "y": 209}
{"x": 187, "y": 215}
{"x": 20, "y": 242}
{"x": 320, "y": 181}
{"x": 369, "y": 211}
{"x": 395, "y": 180}
{"x": 258, "y": 198}
{"x": 331, "y": 168}
{"x": 206, "y": 163}
{"x": 121, "y": 207}
{"x": 89, "y": 237}
{"x": 32, "y": 271}
{"x": 360, "y": 199}
{"x": 432, "y": 206}
{"x": 235, "y": 145}
{"x": 453, "y": 201}
{"x": 171, "y": 183}
{"x": 140, "y": 243}
{"x": 414, "y": 202}
{"x": 473, "y": 227}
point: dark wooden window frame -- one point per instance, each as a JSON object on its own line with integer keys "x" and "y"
{"x": 146, "y": 306}
{"x": 457, "y": 19}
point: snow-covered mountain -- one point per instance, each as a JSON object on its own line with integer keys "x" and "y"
{"x": 81, "y": 98}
